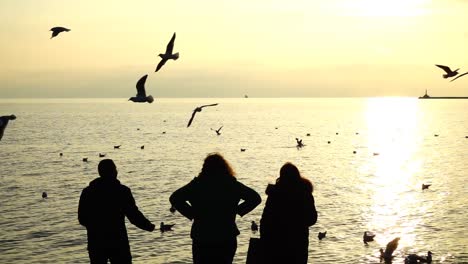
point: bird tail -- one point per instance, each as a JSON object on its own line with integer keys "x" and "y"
{"x": 176, "y": 55}
{"x": 150, "y": 99}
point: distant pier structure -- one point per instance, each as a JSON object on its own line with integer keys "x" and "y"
{"x": 426, "y": 96}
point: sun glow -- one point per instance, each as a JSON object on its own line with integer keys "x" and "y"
{"x": 383, "y": 8}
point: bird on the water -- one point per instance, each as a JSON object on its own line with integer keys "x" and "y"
{"x": 168, "y": 55}
{"x": 44, "y": 195}
{"x": 322, "y": 235}
{"x": 141, "y": 92}
{"x": 165, "y": 228}
{"x": 368, "y": 237}
{"x": 425, "y": 186}
{"x": 448, "y": 72}
{"x": 415, "y": 259}
{"x": 58, "y": 30}
{"x": 198, "y": 109}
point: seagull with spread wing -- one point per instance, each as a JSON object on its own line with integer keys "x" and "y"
{"x": 449, "y": 72}
{"x": 459, "y": 76}
{"x": 141, "y": 92}
{"x": 198, "y": 109}
{"x": 168, "y": 55}
{"x": 58, "y": 30}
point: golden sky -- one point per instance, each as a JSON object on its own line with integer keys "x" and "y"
{"x": 332, "y": 48}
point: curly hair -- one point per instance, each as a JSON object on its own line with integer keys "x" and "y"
{"x": 216, "y": 166}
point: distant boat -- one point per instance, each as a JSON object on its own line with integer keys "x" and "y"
{"x": 426, "y": 96}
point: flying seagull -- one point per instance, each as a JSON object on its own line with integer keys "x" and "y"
{"x": 449, "y": 72}
{"x": 58, "y": 30}
{"x": 459, "y": 76}
{"x": 168, "y": 55}
{"x": 217, "y": 131}
{"x": 141, "y": 93}
{"x": 4, "y": 122}
{"x": 198, "y": 109}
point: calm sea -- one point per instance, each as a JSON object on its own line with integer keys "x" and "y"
{"x": 377, "y": 188}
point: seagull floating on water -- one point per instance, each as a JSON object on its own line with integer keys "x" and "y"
{"x": 415, "y": 259}
{"x": 58, "y": 30}
{"x": 368, "y": 237}
{"x": 165, "y": 228}
{"x": 198, "y": 109}
{"x": 217, "y": 131}
{"x": 254, "y": 227}
{"x": 117, "y": 147}
{"x": 44, "y": 195}
{"x": 463, "y": 74}
{"x": 168, "y": 55}
{"x": 322, "y": 235}
{"x": 243, "y": 149}
{"x": 141, "y": 92}
{"x": 85, "y": 159}
{"x": 449, "y": 72}
{"x": 102, "y": 155}
{"x": 4, "y": 122}
{"x": 391, "y": 247}
{"x": 425, "y": 186}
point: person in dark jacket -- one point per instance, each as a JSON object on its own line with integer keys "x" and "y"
{"x": 211, "y": 200}
{"x": 289, "y": 212}
{"x": 103, "y": 206}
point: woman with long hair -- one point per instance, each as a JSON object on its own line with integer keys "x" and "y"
{"x": 289, "y": 212}
{"x": 211, "y": 200}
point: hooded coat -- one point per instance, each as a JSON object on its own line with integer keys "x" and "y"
{"x": 284, "y": 228}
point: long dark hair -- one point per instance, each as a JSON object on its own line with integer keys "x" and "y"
{"x": 290, "y": 178}
{"x": 216, "y": 166}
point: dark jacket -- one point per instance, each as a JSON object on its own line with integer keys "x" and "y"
{"x": 102, "y": 210}
{"x": 286, "y": 218}
{"x": 212, "y": 204}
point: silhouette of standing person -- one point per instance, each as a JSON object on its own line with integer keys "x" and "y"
{"x": 289, "y": 212}
{"x": 103, "y": 206}
{"x": 211, "y": 200}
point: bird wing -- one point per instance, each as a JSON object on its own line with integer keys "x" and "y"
{"x": 445, "y": 68}
{"x": 160, "y": 64}
{"x": 140, "y": 86}
{"x": 54, "y": 33}
{"x": 391, "y": 246}
{"x": 458, "y": 76}
{"x": 208, "y": 105}
{"x": 170, "y": 45}
{"x": 219, "y": 129}
{"x": 191, "y": 118}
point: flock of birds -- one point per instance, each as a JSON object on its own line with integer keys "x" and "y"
{"x": 141, "y": 97}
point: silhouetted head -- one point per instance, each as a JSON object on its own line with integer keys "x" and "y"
{"x": 215, "y": 166}
{"x": 107, "y": 169}
{"x": 290, "y": 176}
